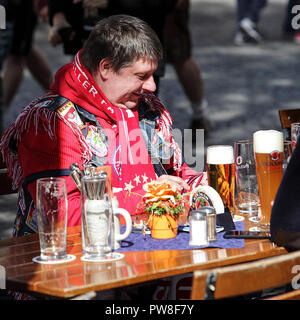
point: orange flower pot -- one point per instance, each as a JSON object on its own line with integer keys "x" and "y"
{"x": 163, "y": 227}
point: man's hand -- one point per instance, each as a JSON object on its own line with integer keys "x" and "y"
{"x": 59, "y": 22}
{"x": 176, "y": 182}
{"x": 91, "y": 6}
{"x": 204, "y": 180}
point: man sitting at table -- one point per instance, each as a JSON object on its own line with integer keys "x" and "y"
{"x": 101, "y": 110}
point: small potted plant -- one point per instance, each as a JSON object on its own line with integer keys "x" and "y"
{"x": 164, "y": 204}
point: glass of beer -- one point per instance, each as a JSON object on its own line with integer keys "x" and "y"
{"x": 268, "y": 151}
{"x": 221, "y": 172}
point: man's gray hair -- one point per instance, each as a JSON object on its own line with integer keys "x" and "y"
{"x": 122, "y": 39}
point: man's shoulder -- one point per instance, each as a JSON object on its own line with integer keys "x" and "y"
{"x": 40, "y": 118}
{"x": 51, "y": 102}
{"x": 52, "y": 107}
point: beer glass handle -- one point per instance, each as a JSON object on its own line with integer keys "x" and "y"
{"x": 128, "y": 222}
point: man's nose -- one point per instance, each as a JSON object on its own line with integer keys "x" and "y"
{"x": 149, "y": 84}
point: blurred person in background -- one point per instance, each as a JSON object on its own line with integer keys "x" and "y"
{"x": 177, "y": 41}
{"x": 72, "y": 20}
{"x": 23, "y": 53}
{"x": 5, "y": 43}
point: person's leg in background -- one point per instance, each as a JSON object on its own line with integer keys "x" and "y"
{"x": 12, "y": 77}
{"x": 189, "y": 75}
{"x": 248, "y": 14}
{"x": 242, "y": 7}
{"x": 13, "y": 73}
{"x": 5, "y": 41}
{"x": 39, "y": 67}
{"x": 177, "y": 41}
{"x": 255, "y": 10}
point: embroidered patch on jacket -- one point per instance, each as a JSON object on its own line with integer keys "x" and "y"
{"x": 69, "y": 112}
{"x": 31, "y": 220}
{"x": 96, "y": 141}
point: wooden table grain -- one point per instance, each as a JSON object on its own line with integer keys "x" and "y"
{"x": 78, "y": 277}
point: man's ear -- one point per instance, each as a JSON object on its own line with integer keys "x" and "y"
{"x": 105, "y": 68}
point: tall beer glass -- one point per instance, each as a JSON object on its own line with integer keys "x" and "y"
{"x": 221, "y": 172}
{"x": 268, "y": 151}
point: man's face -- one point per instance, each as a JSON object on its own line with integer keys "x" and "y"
{"x": 124, "y": 89}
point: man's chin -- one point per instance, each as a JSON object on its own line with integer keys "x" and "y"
{"x": 132, "y": 104}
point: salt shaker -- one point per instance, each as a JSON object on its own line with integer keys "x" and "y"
{"x": 211, "y": 223}
{"x": 198, "y": 228}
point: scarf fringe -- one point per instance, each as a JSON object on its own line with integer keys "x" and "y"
{"x": 15, "y": 132}
{"x": 34, "y": 111}
{"x": 164, "y": 123}
{"x": 14, "y": 169}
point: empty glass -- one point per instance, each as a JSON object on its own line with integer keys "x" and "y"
{"x": 246, "y": 181}
{"x": 287, "y": 152}
{"x": 52, "y": 218}
{"x": 295, "y": 131}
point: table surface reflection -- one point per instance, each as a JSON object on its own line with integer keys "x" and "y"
{"x": 78, "y": 277}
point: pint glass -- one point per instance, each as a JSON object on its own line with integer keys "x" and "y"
{"x": 221, "y": 172}
{"x": 52, "y": 207}
{"x": 295, "y": 132}
{"x": 246, "y": 181}
{"x": 268, "y": 150}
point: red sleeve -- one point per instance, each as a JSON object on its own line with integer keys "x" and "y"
{"x": 192, "y": 177}
{"x": 39, "y": 152}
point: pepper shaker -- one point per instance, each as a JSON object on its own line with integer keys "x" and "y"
{"x": 211, "y": 223}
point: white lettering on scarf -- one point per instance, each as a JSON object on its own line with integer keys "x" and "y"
{"x": 85, "y": 83}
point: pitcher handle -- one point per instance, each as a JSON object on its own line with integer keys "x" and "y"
{"x": 128, "y": 221}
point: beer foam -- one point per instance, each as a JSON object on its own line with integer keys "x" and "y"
{"x": 219, "y": 154}
{"x": 267, "y": 141}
